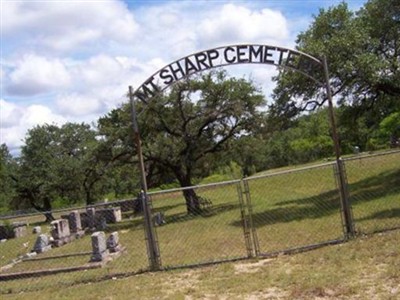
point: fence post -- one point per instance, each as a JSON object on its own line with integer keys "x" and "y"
{"x": 347, "y": 215}
{"x": 152, "y": 244}
{"x": 245, "y": 222}
{"x": 153, "y": 250}
{"x": 250, "y": 218}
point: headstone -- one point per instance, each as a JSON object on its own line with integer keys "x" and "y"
{"x": 75, "y": 224}
{"x": 36, "y": 230}
{"x": 113, "y": 242}
{"x": 42, "y": 244}
{"x": 159, "y": 219}
{"x": 101, "y": 223}
{"x": 19, "y": 229}
{"x": 116, "y": 214}
{"x": 60, "y": 229}
{"x": 91, "y": 217}
{"x": 99, "y": 247}
{"x": 60, "y": 232}
{"x": 84, "y": 219}
{"x": 111, "y": 214}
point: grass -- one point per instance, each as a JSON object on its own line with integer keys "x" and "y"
{"x": 289, "y": 210}
{"x": 365, "y": 268}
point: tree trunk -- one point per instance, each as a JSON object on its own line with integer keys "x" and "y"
{"x": 88, "y": 187}
{"x": 192, "y": 200}
{"x": 89, "y": 199}
{"x": 47, "y": 210}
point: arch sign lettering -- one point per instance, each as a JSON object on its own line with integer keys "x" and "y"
{"x": 230, "y": 55}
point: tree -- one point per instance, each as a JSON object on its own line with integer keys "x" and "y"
{"x": 36, "y": 175}
{"x": 7, "y": 169}
{"x": 311, "y": 139}
{"x": 183, "y": 129}
{"x": 58, "y": 163}
{"x": 362, "y": 51}
{"x": 389, "y": 130}
{"x": 247, "y": 152}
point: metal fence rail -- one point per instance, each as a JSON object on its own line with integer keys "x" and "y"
{"x": 281, "y": 212}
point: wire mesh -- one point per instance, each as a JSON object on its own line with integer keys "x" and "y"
{"x": 374, "y": 187}
{"x": 296, "y": 208}
{"x": 214, "y": 234}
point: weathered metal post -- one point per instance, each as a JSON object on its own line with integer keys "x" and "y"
{"x": 152, "y": 245}
{"x": 341, "y": 177}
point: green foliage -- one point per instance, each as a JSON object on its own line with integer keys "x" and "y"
{"x": 308, "y": 139}
{"x": 58, "y": 166}
{"x": 224, "y": 173}
{"x": 7, "y": 170}
{"x": 362, "y": 51}
{"x": 213, "y": 178}
{"x": 389, "y": 129}
{"x": 247, "y": 152}
{"x": 313, "y": 141}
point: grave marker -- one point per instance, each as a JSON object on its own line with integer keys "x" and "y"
{"x": 42, "y": 244}
{"x": 99, "y": 247}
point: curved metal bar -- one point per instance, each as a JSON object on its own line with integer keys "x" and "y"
{"x": 230, "y": 55}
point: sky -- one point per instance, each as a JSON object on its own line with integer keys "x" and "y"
{"x": 73, "y": 61}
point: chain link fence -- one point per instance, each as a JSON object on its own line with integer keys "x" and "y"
{"x": 281, "y": 212}
{"x": 374, "y": 189}
{"x": 295, "y": 208}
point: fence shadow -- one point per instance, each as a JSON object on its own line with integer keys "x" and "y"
{"x": 328, "y": 203}
{"x": 206, "y": 213}
{"x": 314, "y": 207}
{"x": 384, "y": 214}
{"x": 382, "y": 185}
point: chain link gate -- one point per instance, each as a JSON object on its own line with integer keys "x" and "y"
{"x": 217, "y": 233}
{"x": 289, "y": 213}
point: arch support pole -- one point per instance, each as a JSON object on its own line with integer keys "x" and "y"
{"x": 153, "y": 250}
{"x": 341, "y": 179}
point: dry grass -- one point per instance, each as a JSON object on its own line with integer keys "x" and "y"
{"x": 365, "y": 268}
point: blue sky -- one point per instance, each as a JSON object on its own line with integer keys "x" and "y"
{"x": 72, "y": 61}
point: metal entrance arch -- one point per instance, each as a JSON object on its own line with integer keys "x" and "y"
{"x": 308, "y": 65}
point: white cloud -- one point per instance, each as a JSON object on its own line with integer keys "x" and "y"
{"x": 64, "y": 26}
{"x": 39, "y": 114}
{"x": 10, "y": 114}
{"x": 78, "y": 105}
{"x": 100, "y": 70}
{"x": 15, "y": 120}
{"x": 239, "y": 24}
{"x": 35, "y": 74}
